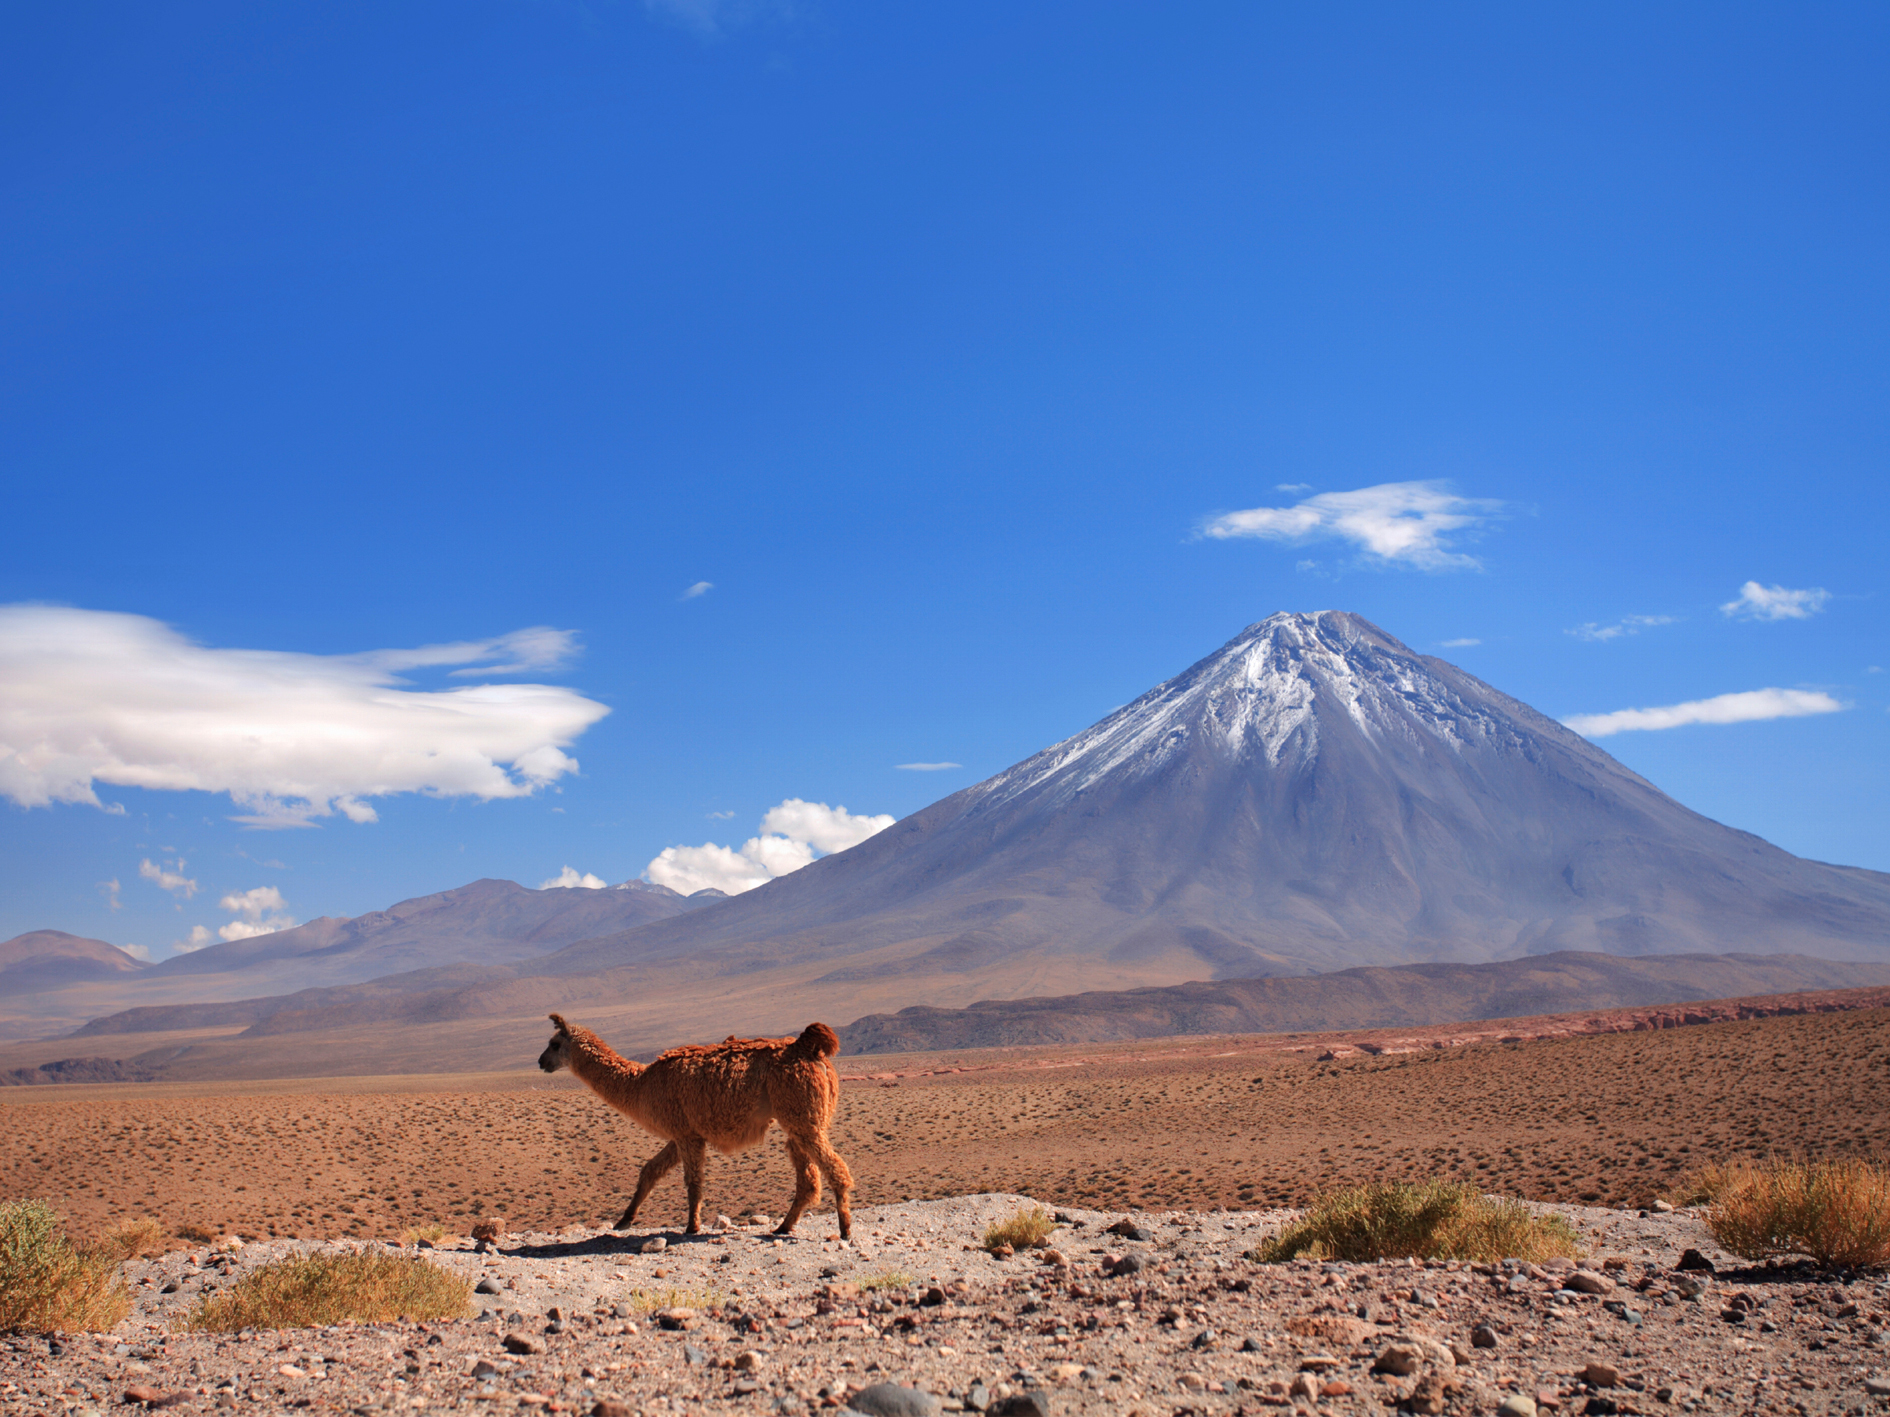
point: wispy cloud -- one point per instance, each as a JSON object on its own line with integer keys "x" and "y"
{"x": 1749, "y": 707}
{"x": 262, "y": 912}
{"x": 91, "y": 696}
{"x": 109, "y": 889}
{"x": 1626, "y": 625}
{"x": 1775, "y": 602}
{"x": 172, "y": 879}
{"x": 699, "y": 588}
{"x": 141, "y": 953}
{"x": 1405, "y": 524}
{"x": 1465, "y": 643}
{"x": 198, "y": 937}
{"x": 926, "y": 767}
{"x": 568, "y": 880}
{"x": 792, "y": 835}
{"x": 707, "y": 19}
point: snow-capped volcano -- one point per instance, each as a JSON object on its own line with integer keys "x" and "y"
{"x": 1313, "y": 795}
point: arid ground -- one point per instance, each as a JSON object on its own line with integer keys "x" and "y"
{"x": 1195, "y": 1123}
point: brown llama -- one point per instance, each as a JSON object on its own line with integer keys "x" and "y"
{"x": 723, "y": 1095}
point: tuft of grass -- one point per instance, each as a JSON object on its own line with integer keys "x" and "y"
{"x": 651, "y": 1301}
{"x": 887, "y": 1279}
{"x": 133, "y": 1238}
{"x": 354, "y": 1286}
{"x": 197, "y": 1234}
{"x": 1704, "y": 1184}
{"x": 1837, "y": 1212}
{"x": 432, "y": 1234}
{"x": 1023, "y": 1229}
{"x": 1430, "y": 1220}
{"x": 46, "y": 1284}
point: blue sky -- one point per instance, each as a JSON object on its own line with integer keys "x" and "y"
{"x": 932, "y": 341}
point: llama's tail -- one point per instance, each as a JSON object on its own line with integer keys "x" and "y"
{"x": 817, "y": 1041}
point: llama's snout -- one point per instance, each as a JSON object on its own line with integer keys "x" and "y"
{"x": 549, "y": 1060}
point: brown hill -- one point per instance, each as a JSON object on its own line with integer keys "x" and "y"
{"x": 50, "y": 959}
{"x": 1412, "y": 996}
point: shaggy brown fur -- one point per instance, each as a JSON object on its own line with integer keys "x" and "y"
{"x": 723, "y": 1095}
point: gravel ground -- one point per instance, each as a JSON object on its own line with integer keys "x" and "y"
{"x": 743, "y": 1322}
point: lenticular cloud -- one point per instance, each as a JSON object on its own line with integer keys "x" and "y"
{"x": 91, "y": 697}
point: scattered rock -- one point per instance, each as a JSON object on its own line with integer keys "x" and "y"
{"x": 1693, "y": 1259}
{"x": 1483, "y": 1336}
{"x": 1125, "y": 1264}
{"x": 1194, "y": 1382}
{"x": 677, "y": 1319}
{"x": 491, "y": 1230}
{"x": 1399, "y": 1359}
{"x": 653, "y": 1245}
{"x": 1601, "y": 1375}
{"x": 694, "y": 1357}
{"x": 1877, "y": 1387}
{"x": 1204, "y": 1339}
{"x": 893, "y": 1400}
{"x": 748, "y": 1361}
{"x": 1303, "y": 1385}
{"x": 1586, "y": 1281}
{"x": 1516, "y": 1405}
{"x": 977, "y": 1397}
{"x": 1020, "y": 1404}
{"x": 519, "y": 1343}
{"x": 1660, "y": 1207}
{"x": 1338, "y": 1387}
{"x": 1066, "y": 1372}
{"x": 610, "y": 1407}
{"x": 1318, "y": 1362}
{"x": 153, "y": 1397}
{"x": 1129, "y": 1230}
{"x": 1432, "y": 1394}
{"x": 487, "y": 1285}
{"x": 1056, "y": 1258}
{"x": 485, "y": 1368}
{"x": 1002, "y": 1252}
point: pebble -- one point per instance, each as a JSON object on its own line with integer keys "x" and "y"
{"x": 519, "y": 1343}
{"x": 1586, "y": 1281}
{"x": 1877, "y": 1387}
{"x": 1400, "y": 1359}
{"x": 1129, "y": 1230}
{"x": 893, "y": 1400}
{"x": 1483, "y": 1336}
{"x": 1693, "y": 1259}
{"x": 653, "y": 1245}
{"x": 1601, "y": 1375}
{"x": 1021, "y": 1404}
{"x": 487, "y": 1286}
{"x": 1516, "y": 1405}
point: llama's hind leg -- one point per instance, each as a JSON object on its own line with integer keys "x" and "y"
{"x": 840, "y": 1179}
{"x": 654, "y": 1170}
{"x": 806, "y": 1186}
{"x": 694, "y": 1153}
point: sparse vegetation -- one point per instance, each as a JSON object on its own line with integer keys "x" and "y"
{"x": 652, "y": 1301}
{"x": 887, "y": 1279}
{"x": 197, "y": 1234}
{"x": 1837, "y": 1212}
{"x": 132, "y": 1238}
{"x": 46, "y": 1284}
{"x": 1023, "y": 1229}
{"x": 432, "y": 1234}
{"x": 1704, "y": 1184}
{"x": 1427, "y": 1220}
{"x": 352, "y": 1286}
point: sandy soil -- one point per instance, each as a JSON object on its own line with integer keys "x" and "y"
{"x": 1192, "y": 1123}
{"x": 741, "y": 1322}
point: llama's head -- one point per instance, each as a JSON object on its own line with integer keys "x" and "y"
{"x": 557, "y": 1053}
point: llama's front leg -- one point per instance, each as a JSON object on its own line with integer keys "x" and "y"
{"x": 694, "y": 1152}
{"x": 806, "y": 1186}
{"x": 654, "y": 1170}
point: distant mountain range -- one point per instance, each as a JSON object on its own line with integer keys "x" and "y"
{"x": 1312, "y": 797}
{"x": 51, "y": 959}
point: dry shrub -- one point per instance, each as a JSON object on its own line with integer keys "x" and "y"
{"x": 432, "y": 1234}
{"x": 196, "y": 1234}
{"x": 1838, "y": 1212}
{"x": 1023, "y": 1229}
{"x": 654, "y": 1301}
{"x": 354, "y": 1286}
{"x": 133, "y": 1238}
{"x": 887, "y": 1279}
{"x": 1432, "y": 1220}
{"x": 47, "y": 1285}
{"x": 1704, "y": 1184}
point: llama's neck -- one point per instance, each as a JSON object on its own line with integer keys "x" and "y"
{"x": 609, "y": 1074}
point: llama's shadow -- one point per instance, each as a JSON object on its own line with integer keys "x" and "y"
{"x": 609, "y": 1242}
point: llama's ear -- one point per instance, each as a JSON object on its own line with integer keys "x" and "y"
{"x": 563, "y": 1027}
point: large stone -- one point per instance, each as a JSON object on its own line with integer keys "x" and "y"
{"x": 1693, "y": 1259}
{"x": 519, "y": 1343}
{"x": 1400, "y": 1359}
{"x": 1021, "y": 1404}
{"x": 894, "y": 1400}
{"x": 1601, "y": 1375}
{"x": 1516, "y": 1405}
{"x": 1586, "y": 1281}
{"x": 1483, "y": 1336}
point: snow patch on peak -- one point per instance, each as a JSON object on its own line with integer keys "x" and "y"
{"x": 1255, "y": 698}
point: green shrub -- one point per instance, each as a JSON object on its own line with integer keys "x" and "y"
{"x": 46, "y": 1285}
{"x": 353, "y": 1286}
{"x": 1432, "y": 1220}
{"x": 1837, "y": 1212}
{"x": 1023, "y": 1229}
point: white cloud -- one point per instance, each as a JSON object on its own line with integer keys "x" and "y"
{"x": 1626, "y": 625}
{"x": 568, "y": 879}
{"x": 173, "y": 880}
{"x": 138, "y": 952}
{"x": 196, "y": 940}
{"x": 699, "y": 588}
{"x": 792, "y": 835}
{"x": 1292, "y": 487}
{"x": 1395, "y": 523}
{"x": 926, "y": 767}
{"x": 263, "y": 912}
{"x": 109, "y": 889}
{"x": 1760, "y": 602}
{"x": 92, "y": 696}
{"x": 1461, "y": 644}
{"x": 721, "y": 816}
{"x": 1749, "y": 707}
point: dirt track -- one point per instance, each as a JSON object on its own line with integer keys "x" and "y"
{"x": 1181, "y": 1123}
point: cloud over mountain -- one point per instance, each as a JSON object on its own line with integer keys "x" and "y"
{"x": 793, "y": 834}
{"x": 1749, "y": 707}
{"x": 1394, "y": 523}
{"x": 90, "y": 697}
